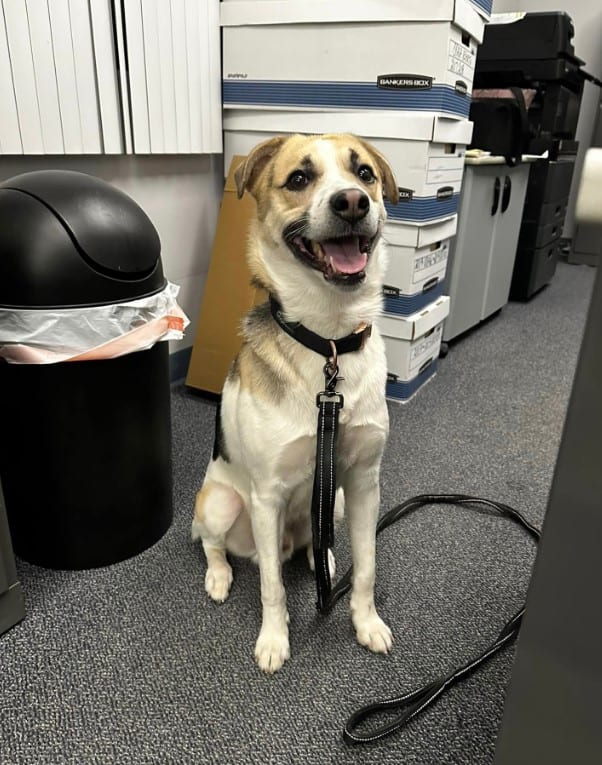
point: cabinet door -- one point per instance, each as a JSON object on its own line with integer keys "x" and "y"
{"x": 172, "y": 63}
{"x": 507, "y": 228}
{"x": 470, "y": 250}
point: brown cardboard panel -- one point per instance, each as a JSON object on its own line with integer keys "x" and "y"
{"x": 228, "y": 293}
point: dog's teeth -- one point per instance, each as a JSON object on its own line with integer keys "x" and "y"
{"x": 318, "y": 250}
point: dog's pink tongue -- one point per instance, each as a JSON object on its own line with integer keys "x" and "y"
{"x": 345, "y": 254}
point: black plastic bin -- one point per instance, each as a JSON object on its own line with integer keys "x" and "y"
{"x": 85, "y": 447}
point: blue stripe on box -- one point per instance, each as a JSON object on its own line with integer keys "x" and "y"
{"x": 402, "y": 390}
{"x": 486, "y": 5}
{"x": 405, "y": 305}
{"x": 423, "y": 208}
{"x": 350, "y": 95}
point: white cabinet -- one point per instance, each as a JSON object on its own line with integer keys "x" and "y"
{"x": 110, "y": 77}
{"x": 172, "y": 59}
{"x": 482, "y": 255}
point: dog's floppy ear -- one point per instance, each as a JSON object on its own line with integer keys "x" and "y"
{"x": 390, "y": 189}
{"x": 248, "y": 172}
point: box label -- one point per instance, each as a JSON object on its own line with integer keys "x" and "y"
{"x": 461, "y": 61}
{"x": 404, "y": 82}
{"x": 428, "y": 262}
{"x": 445, "y": 169}
{"x": 424, "y": 347}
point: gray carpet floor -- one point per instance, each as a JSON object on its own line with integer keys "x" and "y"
{"x": 132, "y": 664}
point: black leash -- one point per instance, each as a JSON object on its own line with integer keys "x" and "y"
{"x": 329, "y": 404}
{"x": 408, "y": 705}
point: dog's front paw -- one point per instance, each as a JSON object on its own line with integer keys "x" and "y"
{"x": 271, "y": 649}
{"x": 218, "y": 581}
{"x": 373, "y": 633}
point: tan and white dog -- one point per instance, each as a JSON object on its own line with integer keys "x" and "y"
{"x": 315, "y": 245}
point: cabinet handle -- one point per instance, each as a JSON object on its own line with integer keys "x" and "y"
{"x": 496, "y": 196}
{"x": 507, "y": 193}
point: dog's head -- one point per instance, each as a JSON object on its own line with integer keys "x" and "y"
{"x": 320, "y": 201}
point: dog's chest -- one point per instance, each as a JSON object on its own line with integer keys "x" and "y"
{"x": 362, "y": 422}
{"x": 354, "y": 443}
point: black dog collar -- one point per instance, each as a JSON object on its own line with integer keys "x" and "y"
{"x": 353, "y": 342}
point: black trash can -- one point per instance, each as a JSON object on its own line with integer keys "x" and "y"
{"x": 85, "y": 447}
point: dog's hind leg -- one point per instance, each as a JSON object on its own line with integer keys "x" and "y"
{"x": 216, "y": 510}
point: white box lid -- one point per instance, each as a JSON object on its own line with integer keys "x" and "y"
{"x": 410, "y": 126}
{"x": 243, "y": 12}
{"x": 417, "y": 324}
{"x": 447, "y": 130}
{"x": 423, "y": 235}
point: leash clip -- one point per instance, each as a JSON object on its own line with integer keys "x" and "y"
{"x": 331, "y": 369}
{"x": 330, "y": 397}
{"x": 331, "y": 375}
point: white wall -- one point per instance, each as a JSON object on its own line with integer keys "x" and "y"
{"x": 587, "y": 19}
{"x": 180, "y": 194}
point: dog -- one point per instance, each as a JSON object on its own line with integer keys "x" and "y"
{"x": 315, "y": 245}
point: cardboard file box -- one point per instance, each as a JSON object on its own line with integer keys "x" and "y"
{"x": 426, "y": 151}
{"x": 420, "y": 234}
{"x": 414, "y": 277}
{"x": 412, "y": 344}
{"x": 350, "y": 54}
{"x": 228, "y": 293}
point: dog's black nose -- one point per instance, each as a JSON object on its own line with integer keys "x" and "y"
{"x": 350, "y": 204}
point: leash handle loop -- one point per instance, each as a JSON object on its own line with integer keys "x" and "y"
{"x": 408, "y": 706}
{"x": 413, "y": 703}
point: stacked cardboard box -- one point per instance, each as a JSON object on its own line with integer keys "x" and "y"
{"x": 229, "y": 293}
{"x": 399, "y": 75}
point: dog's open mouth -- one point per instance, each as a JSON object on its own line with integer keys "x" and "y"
{"x": 342, "y": 259}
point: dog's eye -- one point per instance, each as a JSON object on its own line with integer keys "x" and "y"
{"x": 365, "y": 174}
{"x": 297, "y": 181}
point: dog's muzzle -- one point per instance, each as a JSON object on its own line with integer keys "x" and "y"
{"x": 341, "y": 259}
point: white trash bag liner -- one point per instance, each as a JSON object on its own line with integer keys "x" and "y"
{"x": 46, "y": 336}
